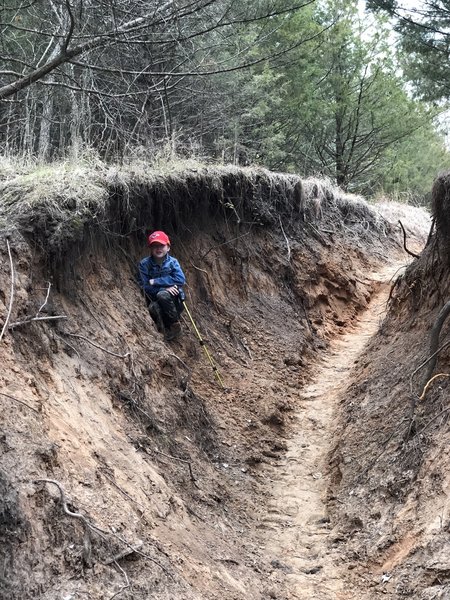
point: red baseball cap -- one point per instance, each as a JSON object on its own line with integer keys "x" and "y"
{"x": 158, "y": 237}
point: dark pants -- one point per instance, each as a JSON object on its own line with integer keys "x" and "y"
{"x": 165, "y": 309}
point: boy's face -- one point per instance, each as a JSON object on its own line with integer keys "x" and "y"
{"x": 159, "y": 251}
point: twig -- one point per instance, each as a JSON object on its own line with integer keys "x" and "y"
{"x": 181, "y": 361}
{"x": 426, "y": 361}
{"x": 68, "y": 512}
{"x": 102, "y": 325}
{"x": 287, "y": 241}
{"x": 198, "y": 268}
{"x": 11, "y": 298}
{"x": 434, "y": 340}
{"x": 432, "y": 420}
{"x": 87, "y": 525}
{"x": 102, "y": 532}
{"x": 45, "y": 301}
{"x": 137, "y": 551}
{"x": 111, "y": 480}
{"x": 124, "y": 553}
{"x": 67, "y": 343}
{"x": 430, "y": 233}
{"x": 425, "y": 389}
{"x": 19, "y": 401}
{"x": 383, "y": 445}
{"x": 82, "y": 337}
{"x": 223, "y": 244}
{"x": 183, "y": 460}
{"x": 127, "y": 584}
{"x": 30, "y": 319}
{"x": 404, "y": 242}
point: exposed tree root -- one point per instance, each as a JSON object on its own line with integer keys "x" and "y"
{"x": 20, "y": 402}
{"x": 434, "y": 343}
{"x": 404, "y": 242}
{"x": 11, "y": 297}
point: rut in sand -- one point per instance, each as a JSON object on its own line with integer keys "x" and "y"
{"x": 296, "y": 528}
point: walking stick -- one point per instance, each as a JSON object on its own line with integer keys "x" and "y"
{"x": 202, "y": 343}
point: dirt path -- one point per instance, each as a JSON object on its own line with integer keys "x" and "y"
{"x": 296, "y": 527}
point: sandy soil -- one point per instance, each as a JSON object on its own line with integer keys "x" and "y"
{"x": 225, "y": 489}
{"x": 296, "y": 530}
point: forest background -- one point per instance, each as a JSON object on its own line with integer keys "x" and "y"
{"x": 315, "y": 87}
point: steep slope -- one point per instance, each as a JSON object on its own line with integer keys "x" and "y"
{"x": 125, "y": 468}
{"x": 390, "y": 498}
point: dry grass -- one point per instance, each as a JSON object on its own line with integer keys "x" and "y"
{"x": 343, "y": 210}
{"x": 415, "y": 219}
{"x": 54, "y": 201}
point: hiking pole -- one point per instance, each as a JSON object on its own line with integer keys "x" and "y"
{"x": 202, "y": 343}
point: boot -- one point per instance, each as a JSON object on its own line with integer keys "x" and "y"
{"x": 173, "y": 332}
{"x": 155, "y": 312}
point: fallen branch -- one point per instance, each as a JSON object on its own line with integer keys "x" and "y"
{"x": 11, "y": 296}
{"x": 404, "y": 242}
{"x": 77, "y": 335}
{"x": 20, "y": 402}
{"x": 30, "y": 319}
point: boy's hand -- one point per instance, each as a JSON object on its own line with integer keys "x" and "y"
{"x": 173, "y": 290}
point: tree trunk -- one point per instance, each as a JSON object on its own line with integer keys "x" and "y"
{"x": 45, "y": 127}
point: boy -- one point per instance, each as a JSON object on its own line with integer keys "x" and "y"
{"x": 161, "y": 279}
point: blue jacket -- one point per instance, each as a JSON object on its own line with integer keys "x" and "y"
{"x": 165, "y": 275}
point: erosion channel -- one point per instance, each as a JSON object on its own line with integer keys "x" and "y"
{"x": 128, "y": 472}
{"x": 299, "y": 532}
